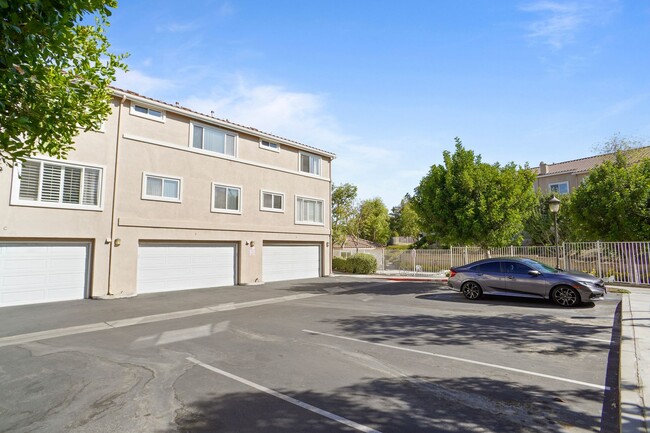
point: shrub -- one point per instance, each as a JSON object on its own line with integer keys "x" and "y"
{"x": 361, "y": 264}
{"x": 339, "y": 264}
{"x": 357, "y": 264}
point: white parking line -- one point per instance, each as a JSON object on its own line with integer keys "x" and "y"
{"x": 286, "y": 398}
{"x": 103, "y": 326}
{"x": 469, "y": 361}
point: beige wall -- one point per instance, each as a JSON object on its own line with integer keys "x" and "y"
{"x": 35, "y": 223}
{"x": 543, "y": 182}
{"x": 148, "y": 146}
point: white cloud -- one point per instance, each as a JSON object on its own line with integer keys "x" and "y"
{"x": 225, "y": 9}
{"x": 140, "y": 82}
{"x": 177, "y": 27}
{"x": 299, "y": 116}
{"x": 557, "y": 23}
{"x": 626, "y": 105}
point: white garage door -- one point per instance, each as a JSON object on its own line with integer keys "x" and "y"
{"x": 32, "y": 273}
{"x": 167, "y": 267}
{"x": 291, "y": 262}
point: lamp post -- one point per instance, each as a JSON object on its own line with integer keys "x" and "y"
{"x": 554, "y": 207}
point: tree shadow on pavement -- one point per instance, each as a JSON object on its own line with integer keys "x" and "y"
{"x": 522, "y": 333}
{"x": 407, "y": 404}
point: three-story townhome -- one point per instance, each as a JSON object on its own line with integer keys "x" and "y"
{"x": 163, "y": 198}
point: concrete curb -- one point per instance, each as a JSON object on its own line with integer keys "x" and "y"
{"x": 635, "y": 345}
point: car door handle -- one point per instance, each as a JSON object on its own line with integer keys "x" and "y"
{"x": 510, "y": 277}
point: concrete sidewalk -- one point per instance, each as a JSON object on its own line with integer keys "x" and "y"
{"x": 635, "y": 361}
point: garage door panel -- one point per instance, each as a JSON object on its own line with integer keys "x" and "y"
{"x": 42, "y": 272}
{"x": 168, "y": 267}
{"x": 24, "y": 297}
{"x": 291, "y": 262}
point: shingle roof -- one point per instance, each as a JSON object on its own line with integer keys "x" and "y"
{"x": 361, "y": 243}
{"x": 584, "y": 165}
{"x": 206, "y": 117}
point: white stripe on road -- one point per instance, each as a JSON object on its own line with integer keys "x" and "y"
{"x": 469, "y": 361}
{"x": 103, "y": 326}
{"x": 286, "y": 398}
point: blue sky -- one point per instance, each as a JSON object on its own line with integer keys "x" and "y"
{"x": 388, "y": 85}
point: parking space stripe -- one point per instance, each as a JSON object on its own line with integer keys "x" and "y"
{"x": 468, "y": 361}
{"x": 103, "y": 326}
{"x": 285, "y": 397}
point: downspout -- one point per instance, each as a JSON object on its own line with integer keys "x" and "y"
{"x": 117, "y": 152}
{"x": 330, "y": 212}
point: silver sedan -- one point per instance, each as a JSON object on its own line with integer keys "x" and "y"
{"x": 529, "y": 278}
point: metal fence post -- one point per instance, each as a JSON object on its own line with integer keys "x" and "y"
{"x": 600, "y": 266}
{"x": 414, "y": 254}
{"x": 564, "y": 256}
{"x": 451, "y": 256}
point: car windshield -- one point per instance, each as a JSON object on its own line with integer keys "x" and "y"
{"x": 539, "y": 266}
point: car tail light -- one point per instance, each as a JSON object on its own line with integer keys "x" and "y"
{"x": 452, "y": 273}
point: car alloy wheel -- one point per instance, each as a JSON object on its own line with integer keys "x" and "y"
{"x": 472, "y": 290}
{"x": 566, "y": 296}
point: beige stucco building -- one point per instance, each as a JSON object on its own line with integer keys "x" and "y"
{"x": 564, "y": 177}
{"x": 163, "y": 198}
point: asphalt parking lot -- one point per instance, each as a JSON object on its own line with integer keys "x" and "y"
{"x": 327, "y": 355}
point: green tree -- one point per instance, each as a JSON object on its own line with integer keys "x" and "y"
{"x": 373, "y": 221}
{"x": 54, "y": 74}
{"x": 613, "y": 203}
{"x": 539, "y": 227}
{"x": 467, "y": 201}
{"x": 344, "y": 212}
{"x": 404, "y": 220}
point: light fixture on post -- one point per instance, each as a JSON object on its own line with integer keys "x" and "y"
{"x": 554, "y": 207}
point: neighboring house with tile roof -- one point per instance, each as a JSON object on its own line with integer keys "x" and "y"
{"x": 565, "y": 177}
{"x": 355, "y": 245}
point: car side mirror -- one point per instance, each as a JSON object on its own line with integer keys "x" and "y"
{"x": 534, "y": 273}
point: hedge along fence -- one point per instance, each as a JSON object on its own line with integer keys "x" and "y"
{"x": 357, "y": 264}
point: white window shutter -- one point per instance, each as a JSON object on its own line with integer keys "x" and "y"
{"x": 29, "y": 180}
{"x": 51, "y": 187}
{"x": 71, "y": 185}
{"x": 91, "y": 186}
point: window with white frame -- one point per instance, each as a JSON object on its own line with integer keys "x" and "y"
{"x": 163, "y": 188}
{"x": 272, "y": 201}
{"x": 559, "y": 188}
{"x": 53, "y": 184}
{"x": 214, "y": 140}
{"x": 269, "y": 145}
{"x": 226, "y": 198}
{"x": 346, "y": 254}
{"x": 310, "y": 163}
{"x": 147, "y": 112}
{"x": 309, "y": 211}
